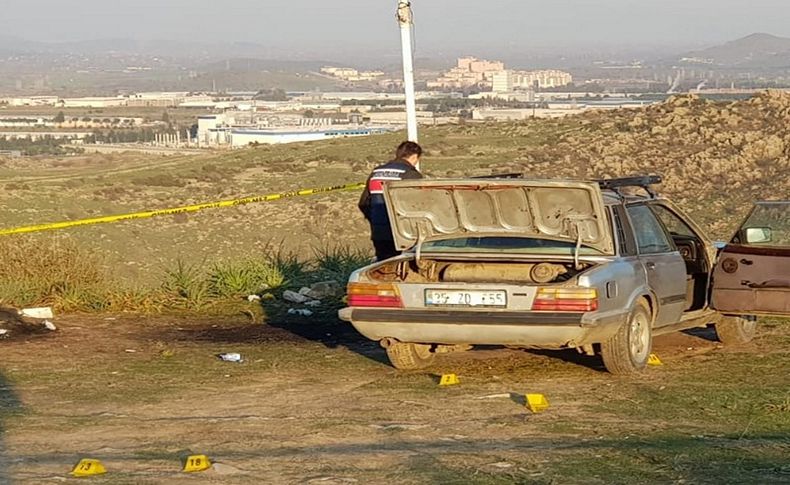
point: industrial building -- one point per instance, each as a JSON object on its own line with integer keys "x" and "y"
{"x": 242, "y": 137}
{"x": 93, "y": 102}
{"x": 352, "y": 75}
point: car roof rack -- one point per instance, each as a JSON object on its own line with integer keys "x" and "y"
{"x": 641, "y": 181}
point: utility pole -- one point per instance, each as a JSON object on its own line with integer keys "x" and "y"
{"x": 406, "y": 22}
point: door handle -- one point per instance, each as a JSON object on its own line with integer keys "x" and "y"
{"x": 650, "y": 265}
{"x": 747, "y": 262}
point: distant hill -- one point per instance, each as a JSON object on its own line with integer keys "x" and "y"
{"x": 760, "y": 51}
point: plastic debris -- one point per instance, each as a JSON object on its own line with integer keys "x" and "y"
{"x": 50, "y": 326}
{"x": 399, "y": 426}
{"x": 294, "y": 297}
{"x": 231, "y": 357}
{"x": 40, "y": 313}
{"x": 495, "y": 396}
{"x": 253, "y": 298}
{"x": 3, "y": 332}
{"x": 302, "y": 311}
{"x": 223, "y": 469}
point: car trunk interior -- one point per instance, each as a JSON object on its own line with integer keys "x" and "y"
{"x": 438, "y": 270}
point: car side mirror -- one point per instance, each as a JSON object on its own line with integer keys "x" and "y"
{"x": 758, "y": 235}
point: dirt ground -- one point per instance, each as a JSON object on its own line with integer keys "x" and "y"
{"x": 316, "y": 403}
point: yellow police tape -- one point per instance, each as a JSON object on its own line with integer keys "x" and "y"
{"x": 177, "y": 210}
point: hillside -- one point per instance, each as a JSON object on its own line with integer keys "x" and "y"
{"x": 716, "y": 159}
{"x": 753, "y": 51}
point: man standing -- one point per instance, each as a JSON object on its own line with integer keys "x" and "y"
{"x": 372, "y": 204}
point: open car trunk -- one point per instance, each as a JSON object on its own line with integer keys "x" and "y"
{"x": 439, "y": 270}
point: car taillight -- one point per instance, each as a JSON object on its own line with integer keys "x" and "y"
{"x": 373, "y": 295}
{"x": 568, "y": 299}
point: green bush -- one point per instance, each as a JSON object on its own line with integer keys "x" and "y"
{"x": 241, "y": 278}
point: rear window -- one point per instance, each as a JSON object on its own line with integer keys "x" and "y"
{"x": 523, "y": 245}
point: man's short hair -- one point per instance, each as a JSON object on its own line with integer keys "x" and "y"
{"x": 407, "y": 149}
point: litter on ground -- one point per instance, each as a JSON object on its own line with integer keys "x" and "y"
{"x": 231, "y": 357}
{"x": 40, "y": 313}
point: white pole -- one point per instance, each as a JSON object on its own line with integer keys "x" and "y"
{"x": 406, "y": 22}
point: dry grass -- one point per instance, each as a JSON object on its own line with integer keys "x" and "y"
{"x": 58, "y": 272}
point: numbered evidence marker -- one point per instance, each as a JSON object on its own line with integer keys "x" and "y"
{"x": 537, "y": 402}
{"x": 449, "y": 380}
{"x": 654, "y": 360}
{"x": 88, "y": 467}
{"x": 197, "y": 463}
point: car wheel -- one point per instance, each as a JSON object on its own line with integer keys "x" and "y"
{"x": 628, "y": 351}
{"x": 736, "y": 330}
{"x": 406, "y": 356}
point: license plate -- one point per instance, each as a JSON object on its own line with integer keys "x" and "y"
{"x": 468, "y": 298}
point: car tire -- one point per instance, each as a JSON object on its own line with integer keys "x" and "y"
{"x": 406, "y": 356}
{"x": 628, "y": 350}
{"x": 736, "y": 330}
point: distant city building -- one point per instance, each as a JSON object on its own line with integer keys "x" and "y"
{"x": 503, "y": 82}
{"x": 473, "y": 72}
{"x": 507, "y": 81}
{"x": 468, "y": 72}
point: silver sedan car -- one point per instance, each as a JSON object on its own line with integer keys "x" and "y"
{"x": 546, "y": 264}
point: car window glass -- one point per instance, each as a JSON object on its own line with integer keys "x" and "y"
{"x": 623, "y": 230}
{"x": 650, "y": 235}
{"x": 767, "y": 225}
{"x": 674, "y": 224}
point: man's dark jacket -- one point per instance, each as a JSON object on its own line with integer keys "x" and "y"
{"x": 372, "y": 202}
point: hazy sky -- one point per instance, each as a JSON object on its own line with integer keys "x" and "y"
{"x": 359, "y": 24}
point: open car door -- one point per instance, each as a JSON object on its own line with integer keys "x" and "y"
{"x": 752, "y": 274}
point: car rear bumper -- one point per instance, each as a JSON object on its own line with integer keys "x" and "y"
{"x": 534, "y": 329}
{"x": 465, "y": 317}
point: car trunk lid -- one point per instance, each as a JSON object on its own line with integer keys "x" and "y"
{"x": 425, "y": 210}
